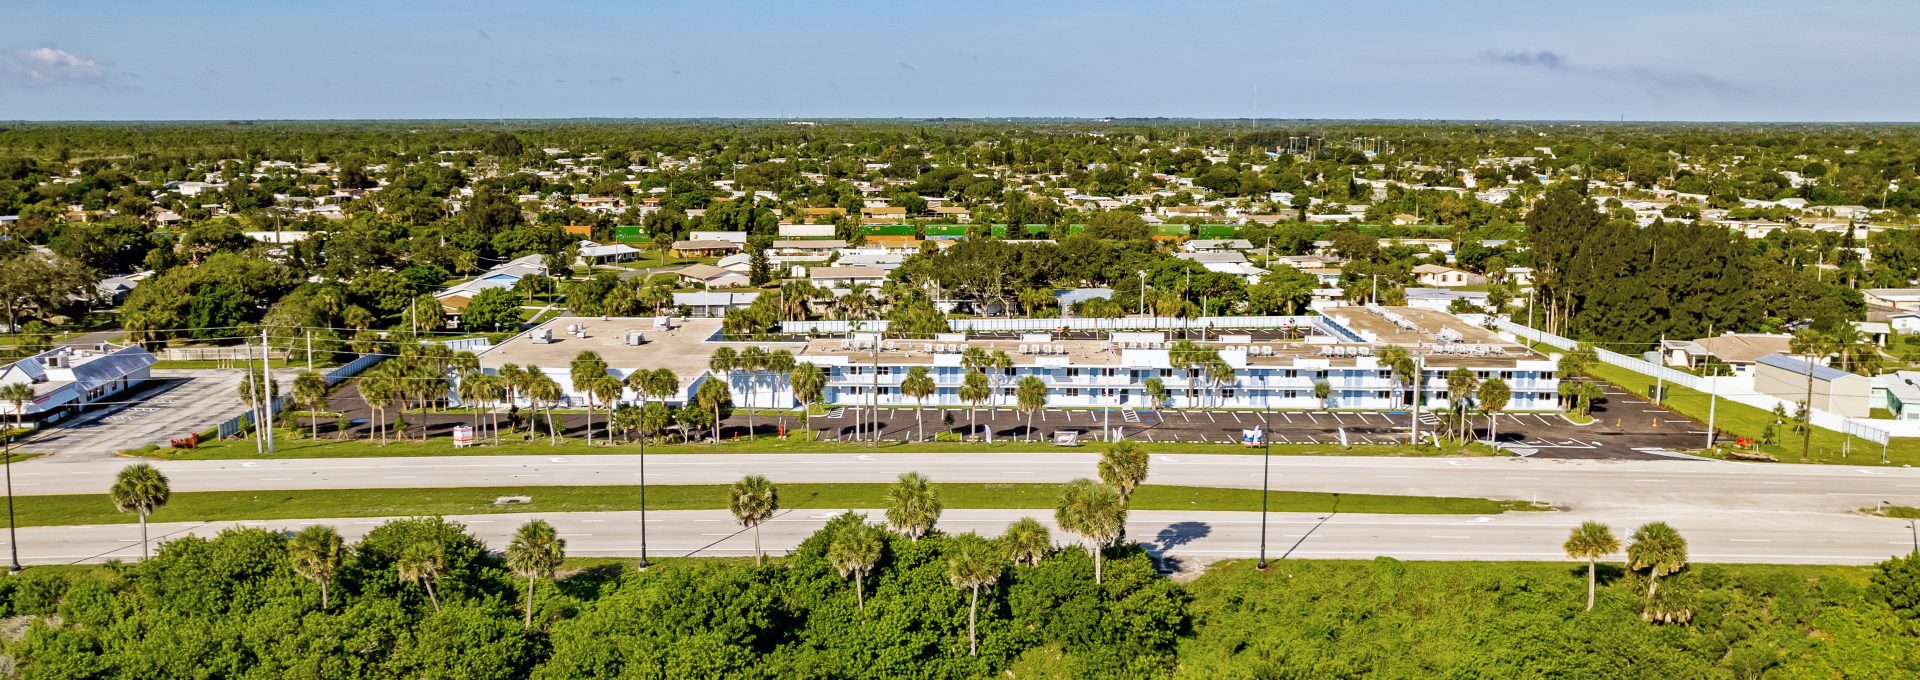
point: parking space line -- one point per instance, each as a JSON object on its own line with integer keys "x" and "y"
{"x": 1235, "y": 414}
{"x": 1289, "y": 418}
{"x": 1311, "y": 417}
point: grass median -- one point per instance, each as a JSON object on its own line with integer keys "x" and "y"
{"x": 297, "y": 445}
{"x": 1734, "y": 417}
{"x": 82, "y": 509}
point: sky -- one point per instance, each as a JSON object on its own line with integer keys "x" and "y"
{"x": 1715, "y": 60}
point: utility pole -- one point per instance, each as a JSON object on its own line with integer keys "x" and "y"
{"x": 1660, "y": 379}
{"x": 1419, "y": 369}
{"x": 253, "y": 395}
{"x": 266, "y": 387}
{"x": 309, "y": 350}
{"x": 1713, "y": 401}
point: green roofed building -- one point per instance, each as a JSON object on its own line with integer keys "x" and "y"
{"x": 631, "y": 233}
{"x": 887, "y": 229}
{"x": 1172, "y": 230}
{"x": 1218, "y": 231}
{"x": 946, "y": 231}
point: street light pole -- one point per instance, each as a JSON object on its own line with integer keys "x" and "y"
{"x": 643, "y": 498}
{"x": 1266, "y": 419}
{"x": 13, "y": 539}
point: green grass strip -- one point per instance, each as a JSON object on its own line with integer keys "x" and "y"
{"x": 85, "y": 509}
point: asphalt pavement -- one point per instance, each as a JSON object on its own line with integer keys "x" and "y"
{"x": 1180, "y": 540}
{"x": 1666, "y": 487}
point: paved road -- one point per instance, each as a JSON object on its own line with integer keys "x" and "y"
{"x": 1179, "y": 539}
{"x": 1668, "y": 487}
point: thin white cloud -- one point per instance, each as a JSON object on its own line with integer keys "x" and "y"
{"x": 49, "y": 66}
{"x": 1661, "y": 81}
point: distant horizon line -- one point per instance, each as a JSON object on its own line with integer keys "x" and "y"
{"x": 953, "y": 119}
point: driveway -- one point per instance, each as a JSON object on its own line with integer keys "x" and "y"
{"x": 176, "y": 403}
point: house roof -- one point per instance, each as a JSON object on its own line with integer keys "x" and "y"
{"x": 1430, "y": 268}
{"x": 607, "y": 251}
{"x": 847, "y": 273}
{"x": 705, "y": 245}
{"x": 706, "y": 272}
{"x": 1820, "y": 372}
{"x": 1224, "y": 257}
{"x": 1744, "y": 348}
{"x": 714, "y": 299}
{"x": 809, "y": 244}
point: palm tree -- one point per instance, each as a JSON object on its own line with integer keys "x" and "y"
{"x": 1494, "y": 395}
{"x": 586, "y": 369}
{"x": 1657, "y": 548}
{"x": 422, "y": 563}
{"x": 469, "y": 393}
{"x": 1321, "y": 390}
{"x": 377, "y": 392}
{"x": 809, "y": 384}
{"x": 311, "y": 389}
{"x": 1399, "y": 366}
{"x": 1031, "y": 394}
{"x": 753, "y": 500}
{"x": 973, "y": 564}
{"x": 777, "y": 364}
{"x": 140, "y": 489}
{"x": 655, "y": 418}
{"x": 1812, "y": 346}
{"x": 513, "y": 380}
{"x": 1123, "y": 466}
{"x": 606, "y": 390}
{"x": 315, "y": 553}
{"x": 712, "y": 396}
{"x": 1461, "y": 383}
{"x": 999, "y": 369}
{"x": 1591, "y": 541}
{"x": 626, "y": 421}
{"x": 17, "y": 394}
{"x": 913, "y": 505}
{"x": 1221, "y": 374}
{"x": 974, "y": 391}
{"x": 1095, "y": 512}
{"x": 255, "y": 401}
{"x": 854, "y": 552}
{"x": 1186, "y": 355}
{"x": 918, "y": 385}
{"x": 535, "y": 552}
{"x": 545, "y": 391}
{"x": 1155, "y": 390}
{"x": 1027, "y": 541}
{"x": 752, "y": 360}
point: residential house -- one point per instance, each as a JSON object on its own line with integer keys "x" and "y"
{"x": 1738, "y": 350}
{"x": 842, "y": 277}
{"x": 593, "y": 253}
{"x": 1445, "y": 276}
{"x": 710, "y": 276}
{"x": 1896, "y": 298}
{"x": 704, "y": 248}
{"x": 712, "y": 304}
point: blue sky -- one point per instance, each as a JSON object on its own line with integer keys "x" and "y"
{"x": 1637, "y": 59}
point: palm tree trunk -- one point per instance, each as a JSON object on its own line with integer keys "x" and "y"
{"x": 973, "y": 612}
{"x": 757, "y": 555}
{"x": 589, "y": 424}
{"x": 859, "y": 592}
{"x": 1097, "y": 550}
{"x": 920, "y": 422}
{"x": 716, "y": 441}
{"x": 430, "y": 596}
{"x": 528, "y": 623}
{"x": 1653, "y": 584}
{"x": 553, "y": 436}
{"x": 1806, "y": 441}
{"x": 1590, "y": 579}
{"x": 323, "y": 594}
{"x": 1029, "y": 433}
{"x": 143, "y": 536}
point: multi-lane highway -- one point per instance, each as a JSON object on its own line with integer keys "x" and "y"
{"x": 1672, "y": 487}
{"x": 1181, "y": 539}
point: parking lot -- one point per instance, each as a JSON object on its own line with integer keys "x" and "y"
{"x": 1623, "y": 428}
{"x": 174, "y": 404}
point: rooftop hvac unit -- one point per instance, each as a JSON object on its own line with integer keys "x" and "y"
{"x": 543, "y": 336}
{"x": 636, "y": 338}
{"x": 663, "y": 323}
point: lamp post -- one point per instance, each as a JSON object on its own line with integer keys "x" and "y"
{"x": 1266, "y": 459}
{"x": 13, "y": 539}
{"x": 643, "y": 497}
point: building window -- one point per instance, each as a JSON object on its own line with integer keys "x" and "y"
{"x": 1073, "y": 392}
{"x": 1226, "y": 394}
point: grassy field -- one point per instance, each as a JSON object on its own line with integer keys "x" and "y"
{"x": 82, "y": 509}
{"x": 1741, "y": 419}
{"x": 296, "y": 445}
